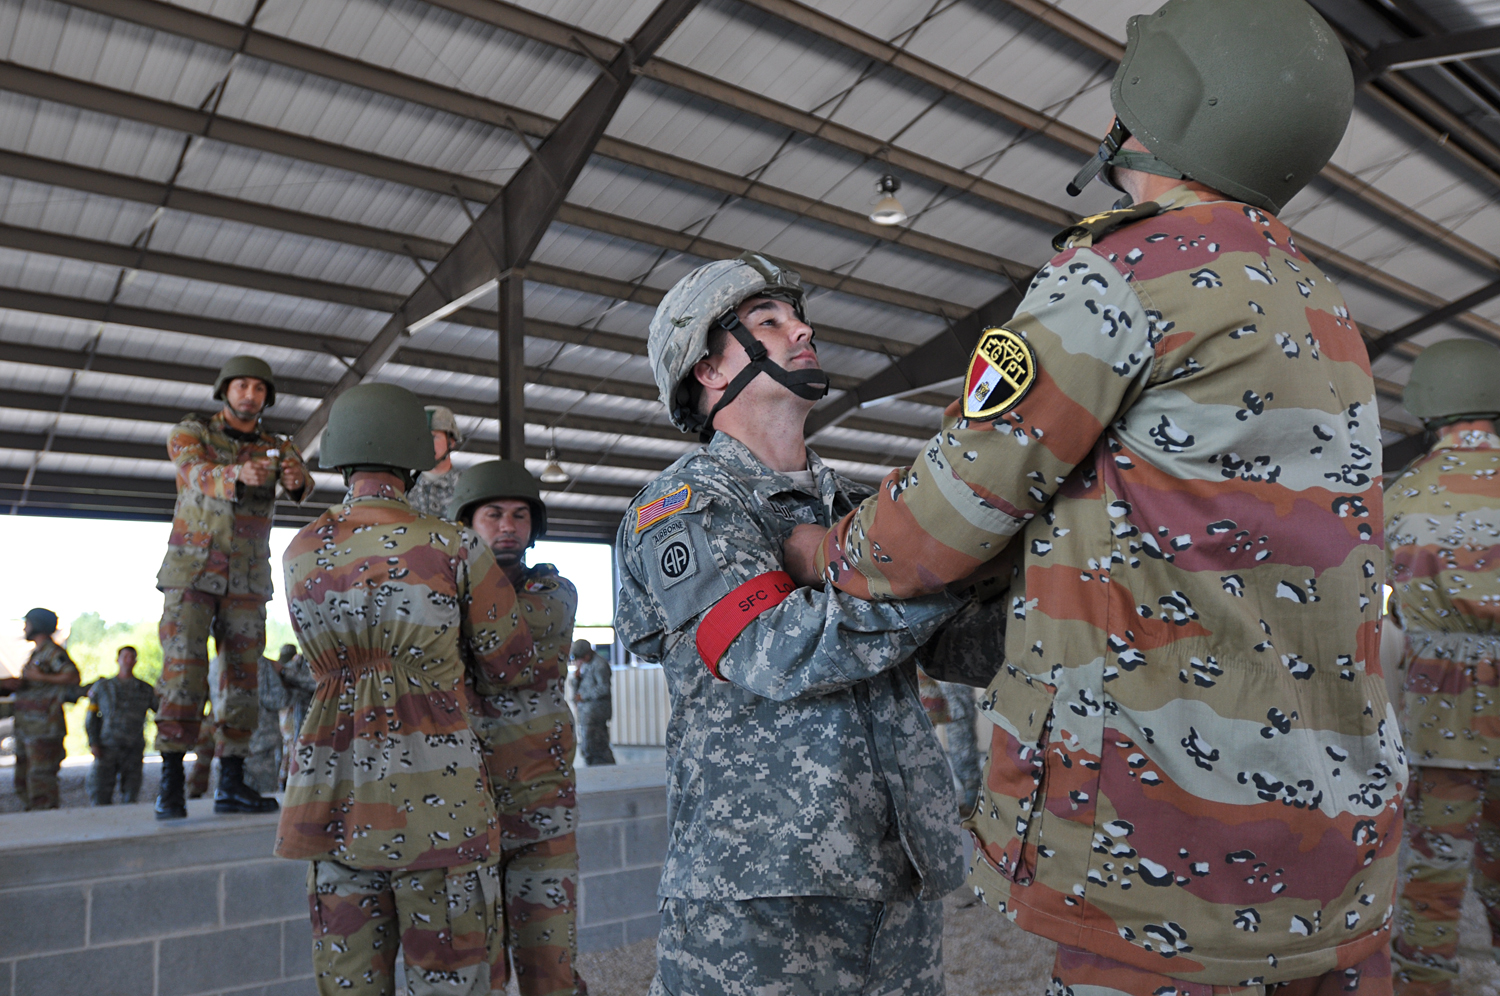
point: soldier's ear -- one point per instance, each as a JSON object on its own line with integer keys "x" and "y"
{"x": 709, "y": 372}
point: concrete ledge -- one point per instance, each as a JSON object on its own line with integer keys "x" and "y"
{"x": 109, "y": 900}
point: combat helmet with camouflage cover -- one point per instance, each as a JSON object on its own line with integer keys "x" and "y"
{"x": 708, "y": 297}
{"x": 376, "y": 426}
{"x": 246, "y": 366}
{"x": 440, "y": 418}
{"x": 494, "y": 480}
{"x": 1249, "y": 97}
{"x": 1453, "y": 379}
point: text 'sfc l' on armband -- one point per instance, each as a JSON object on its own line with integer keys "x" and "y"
{"x": 736, "y": 610}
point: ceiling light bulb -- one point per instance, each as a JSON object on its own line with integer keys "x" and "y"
{"x": 553, "y": 472}
{"x": 888, "y": 210}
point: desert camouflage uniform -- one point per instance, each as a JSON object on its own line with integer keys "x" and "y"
{"x": 803, "y": 766}
{"x": 595, "y": 686}
{"x": 216, "y": 578}
{"x": 116, "y": 725}
{"x": 1443, "y": 535}
{"x": 527, "y": 733}
{"x": 387, "y": 796}
{"x": 432, "y": 493}
{"x": 953, "y": 704}
{"x": 1194, "y": 768}
{"x": 40, "y": 727}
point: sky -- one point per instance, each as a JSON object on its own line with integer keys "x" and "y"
{"x": 73, "y": 566}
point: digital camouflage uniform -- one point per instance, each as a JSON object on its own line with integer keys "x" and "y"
{"x": 387, "y": 798}
{"x": 527, "y": 733}
{"x": 40, "y": 727}
{"x": 953, "y": 704}
{"x": 300, "y": 684}
{"x": 433, "y": 493}
{"x": 1443, "y": 535}
{"x": 116, "y": 725}
{"x": 810, "y": 805}
{"x": 216, "y": 579}
{"x": 263, "y": 763}
{"x": 595, "y": 687}
{"x": 1194, "y": 769}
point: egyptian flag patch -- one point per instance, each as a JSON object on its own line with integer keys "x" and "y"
{"x": 668, "y": 504}
{"x": 1001, "y": 371}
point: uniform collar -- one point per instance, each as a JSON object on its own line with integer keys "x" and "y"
{"x": 735, "y": 455}
{"x": 368, "y": 488}
{"x": 218, "y": 421}
{"x": 1182, "y": 196}
{"x": 1473, "y": 440}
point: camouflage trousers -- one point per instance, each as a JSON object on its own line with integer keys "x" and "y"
{"x": 111, "y": 765}
{"x": 238, "y": 626}
{"x": 593, "y": 718}
{"x": 963, "y": 742}
{"x": 540, "y": 883}
{"x": 38, "y": 760}
{"x": 799, "y": 946}
{"x": 447, "y": 927}
{"x": 1453, "y": 829}
{"x": 1076, "y": 972}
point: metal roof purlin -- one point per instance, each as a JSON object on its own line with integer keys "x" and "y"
{"x": 512, "y": 225}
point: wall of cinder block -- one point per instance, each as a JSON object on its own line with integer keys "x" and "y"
{"x": 199, "y": 909}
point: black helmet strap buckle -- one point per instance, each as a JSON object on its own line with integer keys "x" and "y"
{"x": 1112, "y": 152}
{"x": 809, "y": 384}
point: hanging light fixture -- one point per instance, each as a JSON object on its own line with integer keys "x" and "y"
{"x": 553, "y": 472}
{"x": 888, "y": 210}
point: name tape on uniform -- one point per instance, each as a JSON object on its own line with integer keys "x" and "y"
{"x": 1001, "y": 371}
{"x": 668, "y": 504}
{"x": 732, "y": 613}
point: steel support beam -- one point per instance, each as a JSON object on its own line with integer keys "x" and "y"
{"x": 512, "y": 366}
{"x": 1433, "y": 50}
{"x": 1446, "y": 313}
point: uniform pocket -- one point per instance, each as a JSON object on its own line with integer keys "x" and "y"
{"x": 1006, "y": 822}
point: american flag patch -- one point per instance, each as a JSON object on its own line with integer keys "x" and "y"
{"x": 668, "y": 504}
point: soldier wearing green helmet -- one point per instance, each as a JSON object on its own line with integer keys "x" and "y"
{"x": 406, "y": 622}
{"x": 1442, "y": 533}
{"x": 216, "y": 578}
{"x": 528, "y": 735}
{"x": 48, "y": 680}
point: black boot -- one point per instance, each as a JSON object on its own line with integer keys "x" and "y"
{"x": 170, "y": 805}
{"x": 234, "y": 796}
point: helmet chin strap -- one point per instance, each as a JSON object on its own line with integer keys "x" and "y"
{"x": 809, "y": 384}
{"x": 1113, "y": 153}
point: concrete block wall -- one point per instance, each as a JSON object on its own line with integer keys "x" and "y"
{"x": 110, "y": 902}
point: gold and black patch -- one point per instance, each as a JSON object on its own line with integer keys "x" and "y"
{"x": 1095, "y": 227}
{"x": 1001, "y": 371}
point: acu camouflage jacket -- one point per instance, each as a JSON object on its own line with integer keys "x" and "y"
{"x": 221, "y": 529}
{"x": 1194, "y": 766}
{"x": 799, "y": 759}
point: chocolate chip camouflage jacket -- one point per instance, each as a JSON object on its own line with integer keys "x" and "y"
{"x": 1194, "y": 765}
{"x": 393, "y": 609}
{"x": 1443, "y": 534}
{"x": 38, "y": 707}
{"x": 799, "y": 760}
{"x": 221, "y": 529}
{"x": 527, "y": 728}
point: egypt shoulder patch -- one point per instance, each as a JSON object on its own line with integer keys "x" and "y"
{"x": 668, "y": 504}
{"x": 1001, "y": 371}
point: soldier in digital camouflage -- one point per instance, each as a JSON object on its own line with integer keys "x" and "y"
{"x": 48, "y": 680}
{"x": 405, "y": 619}
{"x": 593, "y": 694}
{"x": 1195, "y": 773}
{"x": 116, "y": 724}
{"x": 528, "y": 738}
{"x": 1443, "y": 537}
{"x": 811, "y": 808}
{"x": 433, "y": 492}
{"x": 951, "y": 704}
{"x": 216, "y": 579}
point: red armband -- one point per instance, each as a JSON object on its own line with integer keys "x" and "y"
{"x": 732, "y": 613}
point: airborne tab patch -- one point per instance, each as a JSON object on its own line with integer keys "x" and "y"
{"x": 668, "y": 504}
{"x": 1001, "y": 371}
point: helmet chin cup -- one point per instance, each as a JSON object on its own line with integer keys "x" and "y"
{"x": 811, "y": 385}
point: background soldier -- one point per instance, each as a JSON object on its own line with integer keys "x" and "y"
{"x": 951, "y": 704}
{"x": 116, "y": 725}
{"x": 395, "y": 818}
{"x": 300, "y": 686}
{"x": 263, "y": 765}
{"x": 528, "y": 736}
{"x": 433, "y": 492}
{"x": 593, "y": 692}
{"x": 216, "y": 578}
{"x": 40, "y": 725}
{"x": 812, "y": 808}
{"x": 1183, "y": 443}
{"x": 1443, "y": 520}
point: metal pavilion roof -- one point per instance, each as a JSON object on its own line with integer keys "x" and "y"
{"x": 184, "y": 180}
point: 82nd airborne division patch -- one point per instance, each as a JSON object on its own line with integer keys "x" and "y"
{"x": 1001, "y": 371}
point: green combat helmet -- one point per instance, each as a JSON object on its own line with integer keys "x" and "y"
{"x": 377, "y": 425}
{"x": 246, "y": 366}
{"x": 492, "y": 481}
{"x": 1249, "y": 97}
{"x": 707, "y": 297}
{"x": 1452, "y": 380}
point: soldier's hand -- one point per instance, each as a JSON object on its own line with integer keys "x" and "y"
{"x": 292, "y": 477}
{"x": 254, "y": 473}
{"x": 799, "y": 555}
